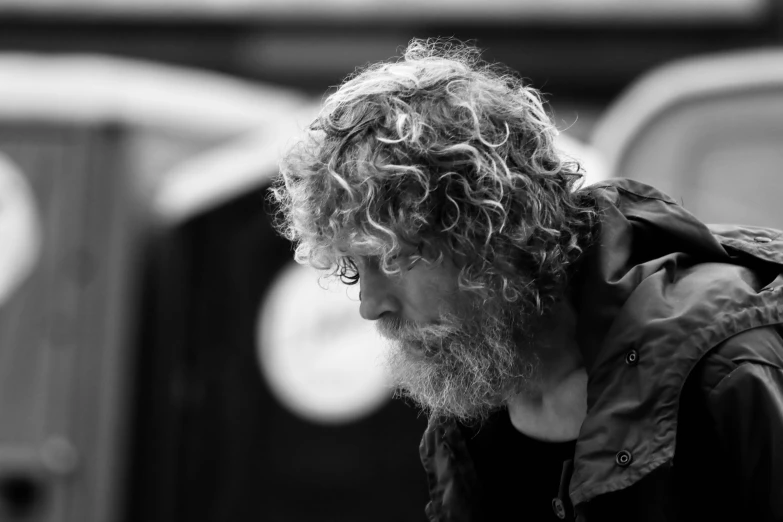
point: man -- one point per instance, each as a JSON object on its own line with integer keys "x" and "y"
{"x": 584, "y": 353}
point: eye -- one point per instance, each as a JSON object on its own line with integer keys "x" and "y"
{"x": 411, "y": 261}
{"x": 406, "y": 260}
{"x": 416, "y": 256}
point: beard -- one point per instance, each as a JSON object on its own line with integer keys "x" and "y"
{"x": 467, "y": 364}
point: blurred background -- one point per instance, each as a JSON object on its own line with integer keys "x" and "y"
{"x": 161, "y": 357}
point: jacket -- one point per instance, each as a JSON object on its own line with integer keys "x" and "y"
{"x": 680, "y": 327}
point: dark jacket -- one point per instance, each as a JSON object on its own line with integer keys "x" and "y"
{"x": 680, "y": 326}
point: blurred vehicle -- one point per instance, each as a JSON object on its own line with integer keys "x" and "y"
{"x": 92, "y": 139}
{"x": 708, "y": 131}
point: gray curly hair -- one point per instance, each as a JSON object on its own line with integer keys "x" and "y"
{"x": 444, "y": 151}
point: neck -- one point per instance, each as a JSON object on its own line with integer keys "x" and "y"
{"x": 558, "y": 407}
{"x": 555, "y": 416}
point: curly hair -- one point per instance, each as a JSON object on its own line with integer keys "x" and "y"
{"x": 441, "y": 150}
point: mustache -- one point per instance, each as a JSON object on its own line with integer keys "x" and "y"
{"x": 427, "y": 339}
{"x": 394, "y": 327}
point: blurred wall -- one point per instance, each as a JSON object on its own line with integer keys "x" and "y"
{"x": 582, "y": 53}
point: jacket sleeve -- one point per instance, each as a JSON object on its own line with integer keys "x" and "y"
{"x": 747, "y": 407}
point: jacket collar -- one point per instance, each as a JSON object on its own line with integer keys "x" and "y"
{"x": 638, "y": 223}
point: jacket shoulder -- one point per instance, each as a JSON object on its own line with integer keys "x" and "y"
{"x": 762, "y": 346}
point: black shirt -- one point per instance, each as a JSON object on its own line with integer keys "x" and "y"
{"x": 518, "y": 476}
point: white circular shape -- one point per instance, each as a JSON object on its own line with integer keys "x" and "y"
{"x": 20, "y": 230}
{"x": 320, "y": 358}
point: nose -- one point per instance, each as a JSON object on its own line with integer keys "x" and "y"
{"x": 376, "y": 292}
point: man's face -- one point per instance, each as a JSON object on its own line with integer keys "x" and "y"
{"x": 452, "y": 353}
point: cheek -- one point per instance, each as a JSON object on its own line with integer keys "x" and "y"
{"x": 431, "y": 291}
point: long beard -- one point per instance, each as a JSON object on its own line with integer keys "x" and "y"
{"x": 465, "y": 366}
